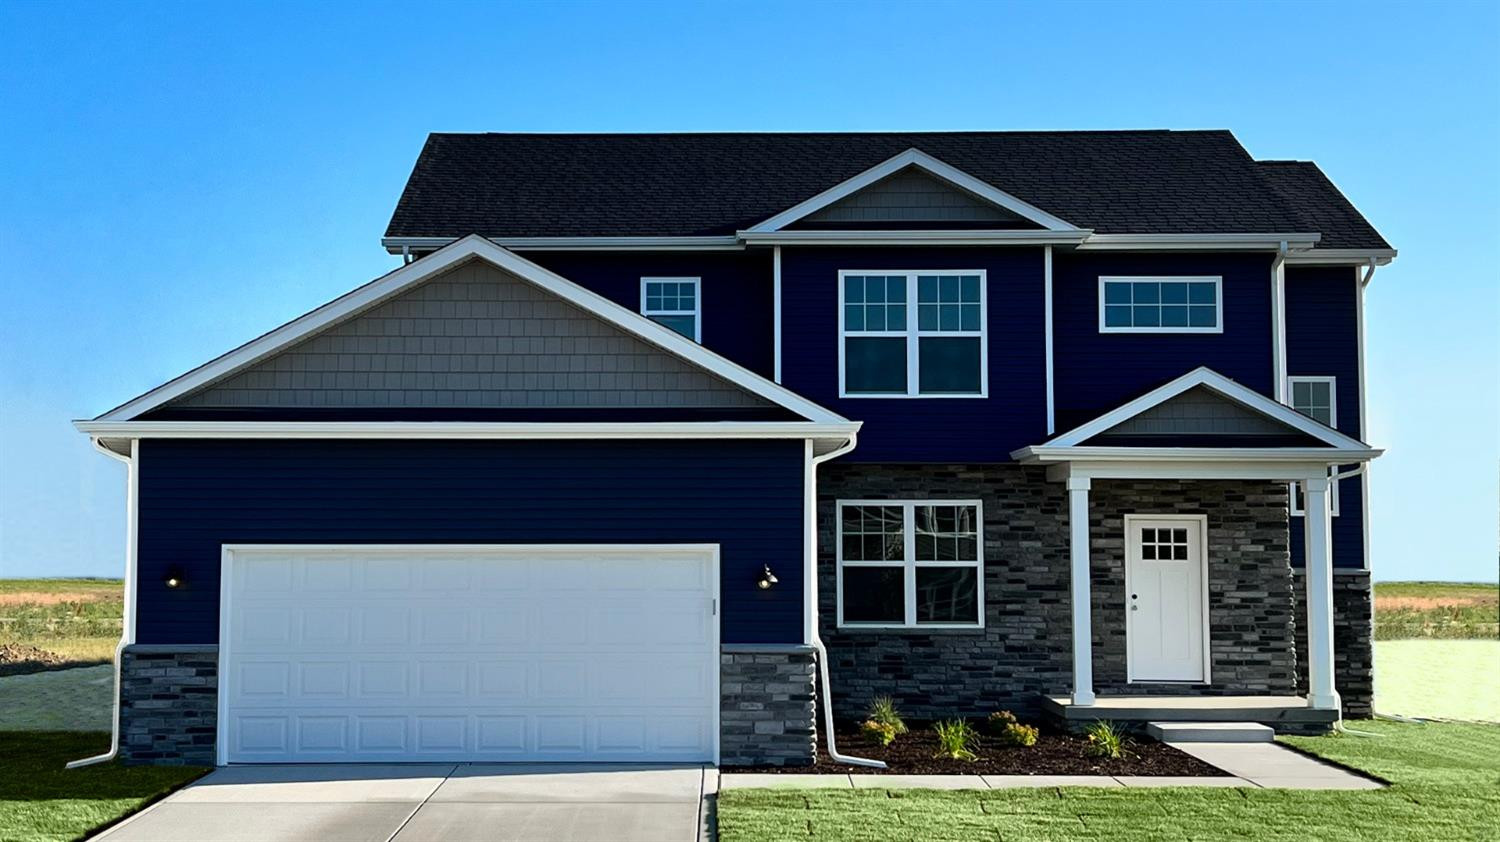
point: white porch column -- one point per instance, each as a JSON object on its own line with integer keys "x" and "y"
{"x": 1078, "y": 557}
{"x": 1318, "y": 571}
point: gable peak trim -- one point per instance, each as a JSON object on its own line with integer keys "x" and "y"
{"x": 1214, "y": 382}
{"x": 932, "y": 166}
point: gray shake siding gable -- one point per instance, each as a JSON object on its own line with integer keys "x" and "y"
{"x": 474, "y": 337}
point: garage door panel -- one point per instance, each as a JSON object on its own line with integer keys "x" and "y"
{"x": 492, "y": 654}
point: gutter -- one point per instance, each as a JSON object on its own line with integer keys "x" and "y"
{"x": 810, "y": 588}
{"x": 127, "y": 622}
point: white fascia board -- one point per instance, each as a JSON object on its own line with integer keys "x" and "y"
{"x": 1203, "y": 469}
{"x": 1321, "y": 455}
{"x": 917, "y": 158}
{"x": 1199, "y": 242}
{"x": 914, "y": 237}
{"x": 464, "y": 430}
{"x": 1342, "y": 257}
{"x": 395, "y": 245}
{"x": 1206, "y": 377}
{"x": 470, "y": 247}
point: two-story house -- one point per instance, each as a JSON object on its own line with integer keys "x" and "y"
{"x": 679, "y": 446}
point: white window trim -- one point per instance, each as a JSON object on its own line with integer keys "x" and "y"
{"x": 1218, "y": 282}
{"x": 912, "y": 334}
{"x": 696, "y": 312}
{"x": 1333, "y": 414}
{"x": 909, "y": 564}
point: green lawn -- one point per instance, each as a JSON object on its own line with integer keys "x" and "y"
{"x": 40, "y": 801}
{"x": 80, "y": 699}
{"x": 1446, "y": 787}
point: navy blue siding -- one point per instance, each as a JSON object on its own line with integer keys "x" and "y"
{"x": 746, "y": 496}
{"x": 1096, "y": 372}
{"x": 1322, "y": 339}
{"x": 736, "y": 288}
{"x": 924, "y": 429}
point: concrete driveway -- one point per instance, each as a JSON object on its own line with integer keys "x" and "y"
{"x": 415, "y": 803}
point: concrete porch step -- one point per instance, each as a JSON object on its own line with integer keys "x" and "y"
{"x": 1210, "y": 732}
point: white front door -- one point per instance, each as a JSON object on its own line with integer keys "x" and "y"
{"x": 1165, "y": 598}
{"x": 358, "y": 654}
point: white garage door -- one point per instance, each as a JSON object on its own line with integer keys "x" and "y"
{"x": 495, "y": 653}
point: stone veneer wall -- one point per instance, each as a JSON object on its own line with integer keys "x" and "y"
{"x": 1025, "y": 648}
{"x": 767, "y": 707}
{"x": 1353, "y": 636}
{"x": 1251, "y": 620}
{"x": 169, "y": 704}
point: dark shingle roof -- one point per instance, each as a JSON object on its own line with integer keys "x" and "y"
{"x": 538, "y": 185}
{"x": 1314, "y": 198}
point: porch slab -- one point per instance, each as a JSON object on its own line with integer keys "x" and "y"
{"x": 1284, "y": 713}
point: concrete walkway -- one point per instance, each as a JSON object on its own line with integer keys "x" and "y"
{"x": 1252, "y": 765}
{"x": 413, "y": 803}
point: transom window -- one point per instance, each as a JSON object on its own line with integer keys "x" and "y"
{"x": 912, "y": 334}
{"x": 1160, "y": 305}
{"x": 673, "y": 303}
{"x": 1317, "y": 398}
{"x": 908, "y": 564}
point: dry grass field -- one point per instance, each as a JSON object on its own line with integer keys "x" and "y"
{"x": 58, "y": 623}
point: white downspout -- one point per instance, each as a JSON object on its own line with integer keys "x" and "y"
{"x": 127, "y": 620}
{"x": 811, "y": 589}
{"x": 1278, "y": 324}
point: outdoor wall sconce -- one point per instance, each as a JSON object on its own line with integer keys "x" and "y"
{"x": 174, "y": 579}
{"x": 767, "y": 579}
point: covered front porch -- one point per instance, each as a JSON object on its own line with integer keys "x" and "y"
{"x": 1152, "y": 639}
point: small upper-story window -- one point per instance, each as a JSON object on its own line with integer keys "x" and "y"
{"x": 912, "y": 334}
{"x": 1161, "y": 305}
{"x": 1317, "y": 398}
{"x": 673, "y": 303}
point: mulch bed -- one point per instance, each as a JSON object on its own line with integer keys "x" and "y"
{"x": 23, "y": 659}
{"x": 1054, "y": 754}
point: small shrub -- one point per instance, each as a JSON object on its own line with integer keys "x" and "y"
{"x": 1107, "y": 740}
{"x": 998, "y": 721}
{"x": 882, "y": 732}
{"x": 883, "y": 710}
{"x": 957, "y": 739}
{"x": 1016, "y": 734}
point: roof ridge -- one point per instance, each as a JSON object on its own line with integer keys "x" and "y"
{"x": 876, "y": 133}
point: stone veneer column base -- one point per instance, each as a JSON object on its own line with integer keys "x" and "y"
{"x": 1353, "y": 639}
{"x": 169, "y": 704}
{"x": 767, "y": 710}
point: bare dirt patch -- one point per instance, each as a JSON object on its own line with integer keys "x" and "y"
{"x": 21, "y": 659}
{"x": 46, "y": 598}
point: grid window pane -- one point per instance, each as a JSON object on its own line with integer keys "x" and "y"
{"x": 947, "y": 594}
{"x": 873, "y": 533}
{"x": 943, "y": 304}
{"x": 1314, "y": 398}
{"x": 1160, "y": 304}
{"x": 946, "y": 533}
{"x": 874, "y": 594}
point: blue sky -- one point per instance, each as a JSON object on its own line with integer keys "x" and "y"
{"x": 179, "y": 178}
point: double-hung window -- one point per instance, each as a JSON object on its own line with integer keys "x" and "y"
{"x": 910, "y": 564}
{"x": 1161, "y": 305}
{"x": 912, "y": 334}
{"x": 674, "y": 303}
{"x": 1317, "y": 398}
